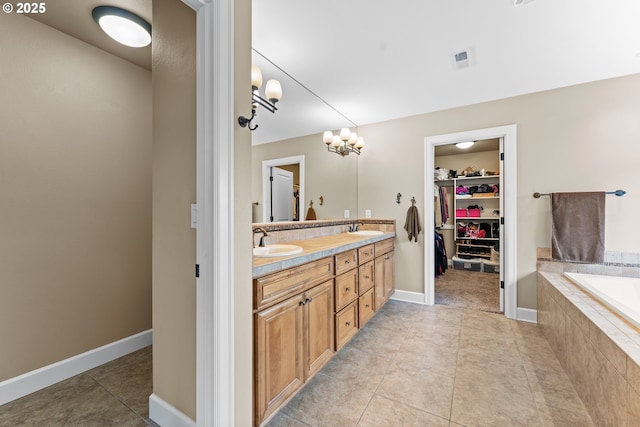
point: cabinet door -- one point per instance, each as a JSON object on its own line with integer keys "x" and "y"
{"x": 318, "y": 327}
{"x": 278, "y": 355}
{"x": 383, "y": 279}
{"x": 346, "y": 324}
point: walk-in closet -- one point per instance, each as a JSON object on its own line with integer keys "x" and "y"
{"x": 467, "y": 210}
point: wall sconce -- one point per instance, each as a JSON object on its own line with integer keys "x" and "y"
{"x": 344, "y": 143}
{"x": 272, "y": 92}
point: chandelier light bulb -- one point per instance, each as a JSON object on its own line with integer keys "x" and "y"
{"x": 336, "y": 142}
{"x": 256, "y": 77}
{"x": 345, "y": 133}
{"x": 360, "y": 142}
{"x": 327, "y": 137}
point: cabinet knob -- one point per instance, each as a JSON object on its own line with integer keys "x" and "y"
{"x": 348, "y": 324}
{"x": 366, "y": 277}
{"x": 366, "y": 305}
{"x": 303, "y": 302}
{"x": 309, "y": 299}
{"x": 347, "y": 289}
{"x": 387, "y": 257}
{"x": 346, "y": 261}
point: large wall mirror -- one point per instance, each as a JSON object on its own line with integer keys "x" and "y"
{"x": 326, "y": 179}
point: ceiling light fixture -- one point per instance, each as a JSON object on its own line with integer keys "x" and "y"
{"x": 272, "y": 91}
{"x": 465, "y": 145}
{"x": 123, "y": 26}
{"x": 344, "y": 143}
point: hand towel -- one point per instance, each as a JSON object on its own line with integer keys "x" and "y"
{"x": 577, "y": 226}
{"x": 311, "y": 213}
{"x": 412, "y": 223}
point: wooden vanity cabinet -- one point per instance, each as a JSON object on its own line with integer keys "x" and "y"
{"x": 383, "y": 272}
{"x": 293, "y": 338}
{"x": 366, "y": 300}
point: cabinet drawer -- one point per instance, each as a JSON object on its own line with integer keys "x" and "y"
{"x": 346, "y": 324}
{"x": 281, "y": 285}
{"x": 346, "y": 261}
{"x": 365, "y": 307}
{"x": 365, "y": 277}
{"x": 346, "y": 288}
{"x": 365, "y": 254}
{"x": 383, "y": 247}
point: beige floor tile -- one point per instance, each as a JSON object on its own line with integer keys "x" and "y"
{"x": 383, "y": 412}
{"x": 283, "y": 420}
{"x": 327, "y": 401}
{"x": 79, "y": 401}
{"x": 358, "y": 367}
{"x": 441, "y": 359}
{"x": 422, "y": 389}
{"x": 558, "y": 417}
{"x": 384, "y": 342}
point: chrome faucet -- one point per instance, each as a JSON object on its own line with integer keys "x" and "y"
{"x": 264, "y": 234}
{"x": 354, "y": 227}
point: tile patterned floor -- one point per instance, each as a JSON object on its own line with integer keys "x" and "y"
{"x": 411, "y": 365}
{"x": 114, "y": 394}
{"x": 415, "y": 365}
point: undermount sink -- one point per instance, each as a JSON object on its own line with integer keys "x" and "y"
{"x": 276, "y": 250}
{"x": 366, "y": 232}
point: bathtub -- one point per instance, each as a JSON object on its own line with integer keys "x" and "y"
{"x": 620, "y": 294}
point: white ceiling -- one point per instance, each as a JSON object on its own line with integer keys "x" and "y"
{"x": 368, "y": 61}
{"x": 377, "y": 60}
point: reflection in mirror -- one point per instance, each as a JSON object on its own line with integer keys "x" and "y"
{"x": 322, "y": 174}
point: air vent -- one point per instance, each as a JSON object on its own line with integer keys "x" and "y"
{"x": 463, "y": 58}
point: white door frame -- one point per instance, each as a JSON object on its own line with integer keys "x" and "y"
{"x": 215, "y": 370}
{"x": 266, "y": 189}
{"x": 508, "y": 190}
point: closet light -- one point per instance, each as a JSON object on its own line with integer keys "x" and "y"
{"x": 123, "y": 26}
{"x": 465, "y": 145}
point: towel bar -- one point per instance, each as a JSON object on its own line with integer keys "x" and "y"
{"x": 617, "y": 193}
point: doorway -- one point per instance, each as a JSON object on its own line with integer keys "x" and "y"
{"x": 507, "y": 184}
{"x": 294, "y": 165}
{"x": 467, "y": 225}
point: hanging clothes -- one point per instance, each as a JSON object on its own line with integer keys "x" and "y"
{"x": 440, "y": 255}
{"x": 444, "y": 204}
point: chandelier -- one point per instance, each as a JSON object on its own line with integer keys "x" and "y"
{"x": 344, "y": 143}
{"x": 272, "y": 92}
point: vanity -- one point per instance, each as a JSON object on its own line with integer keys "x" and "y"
{"x": 308, "y": 305}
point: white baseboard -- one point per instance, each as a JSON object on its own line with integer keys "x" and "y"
{"x": 22, "y": 385}
{"x": 166, "y": 415}
{"x": 408, "y": 296}
{"x": 527, "y": 315}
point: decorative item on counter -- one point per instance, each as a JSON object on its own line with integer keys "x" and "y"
{"x": 398, "y": 198}
{"x": 321, "y": 200}
{"x": 412, "y": 223}
{"x": 311, "y": 213}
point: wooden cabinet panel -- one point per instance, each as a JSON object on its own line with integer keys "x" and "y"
{"x": 278, "y": 355}
{"x": 346, "y": 324}
{"x": 365, "y": 277}
{"x": 383, "y": 279}
{"x": 365, "y": 254}
{"x": 346, "y": 261}
{"x": 283, "y": 284}
{"x": 366, "y": 307}
{"x": 320, "y": 343}
{"x": 346, "y": 288}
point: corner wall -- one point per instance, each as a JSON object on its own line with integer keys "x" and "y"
{"x": 75, "y": 186}
{"x": 174, "y": 189}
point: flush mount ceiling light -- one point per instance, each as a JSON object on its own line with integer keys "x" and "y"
{"x": 465, "y": 145}
{"x": 123, "y": 26}
{"x": 272, "y": 91}
{"x": 344, "y": 143}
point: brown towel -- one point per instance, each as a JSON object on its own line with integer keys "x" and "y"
{"x": 577, "y": 226}
{"x": 311, "y": 214}
{"x": 412, "y": 224}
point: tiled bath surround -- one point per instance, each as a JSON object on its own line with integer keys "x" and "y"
{"x": 598, "y": 349}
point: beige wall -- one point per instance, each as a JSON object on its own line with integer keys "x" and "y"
{"x": 174, "y": 189}
{"x": 580, "y": 138}
{"x": 75, "y": 191}
{"x": 326, "y": 174}
{"x": 243, "y": 294}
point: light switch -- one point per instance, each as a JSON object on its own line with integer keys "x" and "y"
{"x": 194, "y": 216}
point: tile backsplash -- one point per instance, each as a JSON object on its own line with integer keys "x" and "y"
{"x": 625, "y": 264}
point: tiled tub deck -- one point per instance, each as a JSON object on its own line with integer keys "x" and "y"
{"x": 599, "y": 351}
